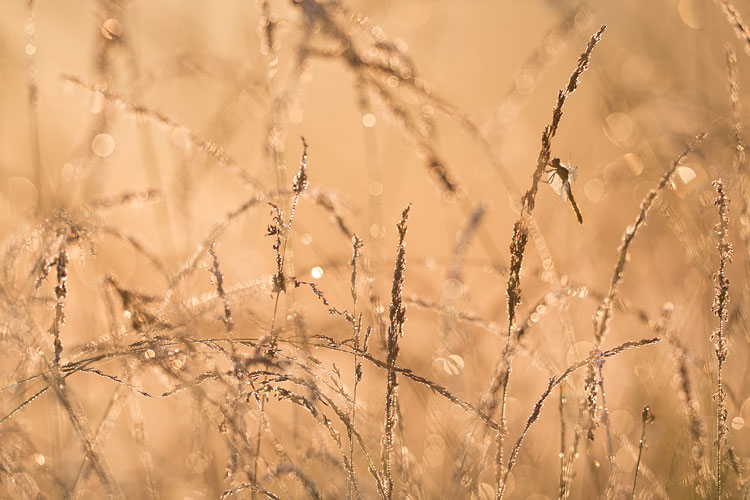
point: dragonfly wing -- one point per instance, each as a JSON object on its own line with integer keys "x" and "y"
{"x": 566, "y": 194}
{"x": 573, "y": 173}
{"x": 572, "y": 170}
{"x": 557, "y": 185}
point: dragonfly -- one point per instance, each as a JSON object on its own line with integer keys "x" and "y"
{"x": 559, "y": 179}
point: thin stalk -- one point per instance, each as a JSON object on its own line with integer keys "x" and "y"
{"x": 721, "y": 309}
{"x": 646, "y": 417}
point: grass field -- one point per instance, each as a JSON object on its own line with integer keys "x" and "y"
{"x": 374, "y": 249}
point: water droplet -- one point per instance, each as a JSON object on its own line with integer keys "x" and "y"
{"x": 448, "y": 197}
{"x": 111, "y": 29}
{"x": 375, "y": 188}
{"x": 410, "y": 14}
{"x": 634, "y": 163}
{"x": 401, "y": 45}
{"x": 686, "y": 174}
{"x": 452, "y": 289}
{"x": 30, "y": 49}
{"x": 39, "y": 458}
{"x": 621, "y": 421}
{"x": 433, "y": 456}
{"x": 594, "y": 189}
{"x": 368, "y": 120}
{"x": 637, "y": 71}
{"x": 738, "y": 423}
{"x": 316, "y": 272}
{"x": 103, "y": 145}
{"x": 486, "y": 491}
{"x": 691, "y": 13}
{"x": 453, "y": 365}
{"x": 525, "y": 82}
{"x": 618, "y": 128}
{"x": 296, "y": 115}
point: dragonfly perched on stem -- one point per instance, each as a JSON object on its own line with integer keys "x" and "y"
{"x": 559, "y": 179}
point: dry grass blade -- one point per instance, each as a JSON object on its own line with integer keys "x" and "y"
{"x": 218, "y": 280}
{"x": 187, "y": 315}
{"x": 520, "y": 232}
{"x": 251, "y": 487}
{"x": 691, "y": 406}
{"x": 613, "y": 467}
{"x": 604, "y": 310}
{"x": 179, "y": 129}
{"x": 397, "y": 316}
{"x": 323, "y": 420}
{"x": 280, "y": 230}
{"x": 740, "y": 172}
{"x": 520, "y": 239}
{"x": 25, "y": 403}
{"x": 721, "y": 309}
{"x": 358, "y": 344}
{"x": 556, "y": 381}
{"x": 78, "y": 420}
{"x": 61, "y": 293}
{"x": 742, "y": 32}
{"x": 529, "y": 198}
{"x": 646, "y": 417}
{"x": 215, "y": 232}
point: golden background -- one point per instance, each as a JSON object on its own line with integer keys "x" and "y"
{"x": 130, "y": 132}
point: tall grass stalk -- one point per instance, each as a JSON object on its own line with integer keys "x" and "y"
{"x": 263, "y": 383}
{"x": 603, "y": 314}
{"x": 556, "y": 381}
{"x": 397, "y": 317}
{"x": 646, "y": 417}
{"x": 721, "y": 309}
{"x": 518, "y": 247}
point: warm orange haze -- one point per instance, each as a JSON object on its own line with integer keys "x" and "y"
{"x": 374, "y": 249}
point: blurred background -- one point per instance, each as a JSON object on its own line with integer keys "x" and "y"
{"x": 134, "y": 133}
